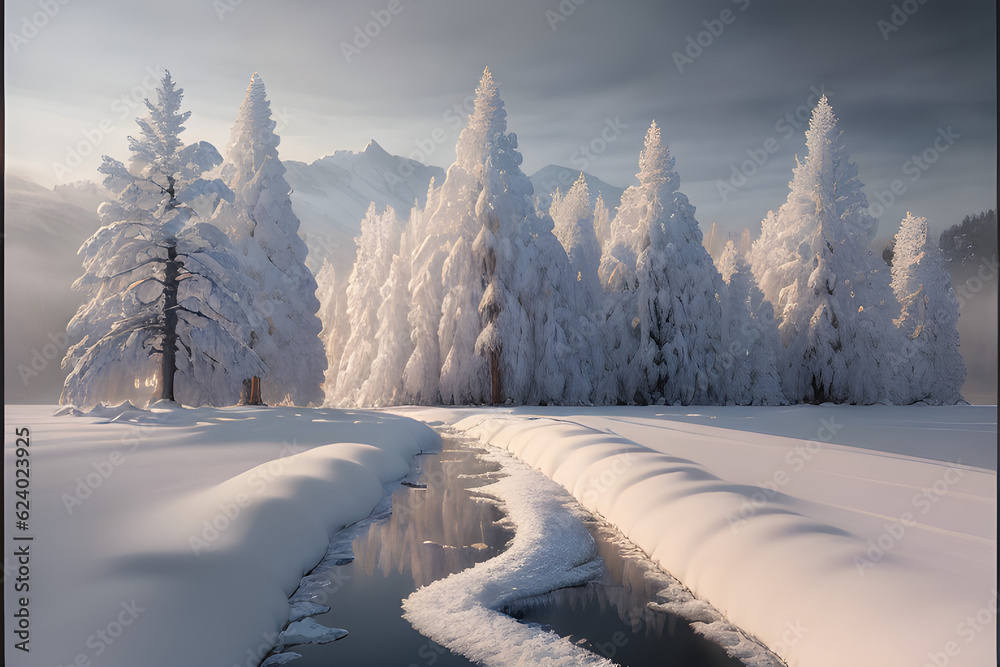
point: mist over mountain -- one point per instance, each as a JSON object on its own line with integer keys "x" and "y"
{"x": 43, "y": 230}
{"x": 551, "y": 177}
{"x": 331, "y": 195}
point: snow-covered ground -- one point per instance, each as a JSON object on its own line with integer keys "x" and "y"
{"x": 837, "y": 535}
{"x": 176, "y": 537}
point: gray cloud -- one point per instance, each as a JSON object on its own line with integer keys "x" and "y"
{"x": 606, "y": 60}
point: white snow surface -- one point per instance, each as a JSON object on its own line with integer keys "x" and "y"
{"x": 836, "y": 535}
{"x": 551, "y": 549}
{"x": 120, "y": 577}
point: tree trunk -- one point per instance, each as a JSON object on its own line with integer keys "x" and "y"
{"x": 168, "y": 357}
{"x": 495, "y": 376}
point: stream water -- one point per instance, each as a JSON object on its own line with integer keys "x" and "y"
{"x": 447, "y": 527}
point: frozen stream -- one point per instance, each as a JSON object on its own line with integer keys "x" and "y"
{"x": 448, "y": 527}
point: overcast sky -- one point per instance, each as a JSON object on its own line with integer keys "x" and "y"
{"x": 592, "y": 74}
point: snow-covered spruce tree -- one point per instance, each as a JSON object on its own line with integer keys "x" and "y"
{"x": 165, "y": 310}
{"x": 501, "y": 206}
{"x": 531, "y": 308}
{"x": 575, "y": 302}
{"x": 573, "y": 225}
{"x": 929, "y": 316}
{"x": 384, "y": 385}
{"x": 447, "y": 219}
{"x": 602, "y": 222}
{"x": 831, "y": 293}
{"x": 377, "y": 244}
{"x": 262, "y": 225}
{"x": 750, "y": 335}
{"x": 331, "y": 291}
{"x": 482, "y": 279}
{"x": 564, "y": 322}
{"x": 663, "y": 284}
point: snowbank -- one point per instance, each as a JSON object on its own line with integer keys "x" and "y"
{"x": 176, "y": 536}
{"x": 819, "y": 533}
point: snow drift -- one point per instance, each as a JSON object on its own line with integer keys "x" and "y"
{"x": 172, "y": 537}
{"x": 835, "y": 535}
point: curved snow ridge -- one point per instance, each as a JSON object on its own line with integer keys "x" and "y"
{"x": 207, "y": 524}
{"x": 789, "y": 579}
{"x": 551, "y": 549}
{"x": 253, "y": 537}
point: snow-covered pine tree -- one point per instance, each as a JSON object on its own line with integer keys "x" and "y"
{"x": 531, "y": 308}
{"x": 443, "y": 234}
{"x": 264, "y": 228}
{"x": 602, "y": 222}
{"x": 165, "y": 310}
{"x": 929, "y": 315}
{"x": 554, "y": 202}
{"x": 577, "y": 303}
{"x": 750, "y": 335}
{"x": 564, "y": 322}
{"x": 664, "y": 284}
{"x": 331, "y": 290}
{"x": 486, "y": 276}
{"x": 384, "y": 385}
{"x": 573, "y": 225}
{"x": 831, "y": 293}
{"x": 377, "y": 244}
{"x": 501, "y": 211}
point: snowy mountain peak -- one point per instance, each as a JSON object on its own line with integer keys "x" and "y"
{"x": 331, "y": 195}
{"x": 374, "y": 150}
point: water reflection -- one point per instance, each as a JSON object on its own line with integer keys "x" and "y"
{"x": 613, "y": 618}
{"x": 449, "y": 526}
{"x": 443, "y": 528}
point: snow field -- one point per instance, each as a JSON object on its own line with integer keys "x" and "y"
{"x": 829, "y": 553}
{"x": 171, "y": 537}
